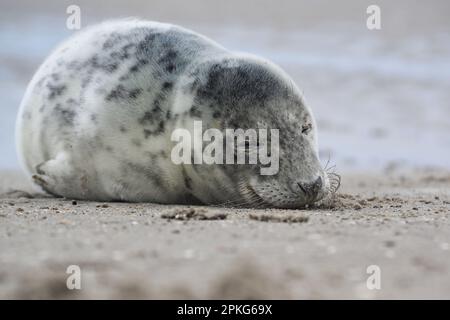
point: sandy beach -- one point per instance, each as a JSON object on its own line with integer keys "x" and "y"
{"x": 397, "y": 221}
{"x": 381, "y": 102}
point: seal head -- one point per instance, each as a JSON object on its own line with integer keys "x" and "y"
{"x": 246, "y": 92}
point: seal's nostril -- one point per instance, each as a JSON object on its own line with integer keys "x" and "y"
{"x": 311, "y": 189}
{"x": 318, "y": 183}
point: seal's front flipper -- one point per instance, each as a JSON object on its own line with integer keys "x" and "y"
{"x": 44, "y": 183}
{"x": 56, "y": 177}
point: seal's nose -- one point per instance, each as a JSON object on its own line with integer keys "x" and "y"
{"x": 311, "y": 189}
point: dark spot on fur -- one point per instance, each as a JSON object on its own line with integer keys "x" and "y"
{"x": 187, "y": 180}
{"x": 107, "y": 65}
{"x": 72, "y": 102}
{"x": 55, "y": 76}
{"x": 196, "y": 167}
{"x": 123, "y": 53}
{"x": 159, "y": 129}
{"x": 169, "y": 56}
{"x": 121, "y": 93}
{"x": 136, "y": 67}
{"x": 147, "y": 133}
{"x": 195, "y": 112}
{"x": 113, "y": 39}
{"x": 66, "y": 116}
{"x": 118, "y": 93}
{"x": 156, "y": 105}
{"x": 133, "y": 94}
{"x": 167, "y": 85}
{"x": 136, "y": 142}
{"x": 85, "y": 81}
{"x": 142, "y": 62}
{"x": 145, "y": 45}
{"x": 147, "y": 118}
{"x": 111, "y": 67}
{"x": 170, "y": 68}
{"x": 55, "y": 90}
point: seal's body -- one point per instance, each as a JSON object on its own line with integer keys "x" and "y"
{"x": 97, "y": 118}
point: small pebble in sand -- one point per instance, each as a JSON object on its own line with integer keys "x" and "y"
{"x": 389, "y": 243}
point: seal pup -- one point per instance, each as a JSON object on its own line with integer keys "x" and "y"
{"x": 96, "y": 120}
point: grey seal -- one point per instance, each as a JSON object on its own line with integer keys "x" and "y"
{"x": 96, "y": 120}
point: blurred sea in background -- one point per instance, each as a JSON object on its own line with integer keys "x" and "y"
{"x": 381, "y": 98}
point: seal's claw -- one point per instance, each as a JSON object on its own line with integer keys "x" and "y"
{"x": 40, "y": 180}
{"x": 44, "y": 183}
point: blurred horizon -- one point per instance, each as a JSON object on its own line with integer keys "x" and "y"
{"x": 380, "y": 97}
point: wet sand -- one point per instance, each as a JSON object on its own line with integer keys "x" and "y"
{"x": 397, "y": 221}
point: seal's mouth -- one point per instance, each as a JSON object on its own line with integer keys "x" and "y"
{"x": 254, "y": 200}
{"x": 250, "y": 198}
{"x": 295, "y": 201}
